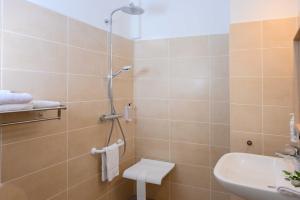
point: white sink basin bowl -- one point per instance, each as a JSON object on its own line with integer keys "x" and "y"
{"x": 250, "y": 176}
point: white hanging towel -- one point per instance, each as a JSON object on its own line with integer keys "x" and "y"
{"x": 110, "y": 162}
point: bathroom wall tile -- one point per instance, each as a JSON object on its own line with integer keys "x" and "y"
{"x": 191, "y": 68}
{"x": 60, "y": 196}
{"x": 85, "y": 88}
{"x": 123, "y": 88}
{"x": 246, "y": 63}
{"x": 196, "y": 89}
{"x": 151, "y": 49}
{"x": 41, "y": 152}
{"x": 33, "y": 54}
{"x": 246, "y": 118}
{"x": 276, "y": 120}
{"x": 81, "y": 141}
{"x": 84, "y": 114}
{"x": 54, "y": 85}
{"x": 34, "y": 20}
{"x": 246, "y": 91}
{"x": 160, "y": 192}
{"x": 151, "y": 88}
{"x": 86, "y": 62}
{"x": 277, "y": 91}
{"x": 220, "y": 89}
{"x": 152, "y": 108}
{"x": 153, "y": 149}
{"x": 278, "y": 62}
{"x": 125, "y": 191}
{"x": 189, "y": 153}
{"x": 152, "y": 128}
{"x": 40, "y": 185}
{"x": 90, "y": 189}
{"x": 245, "y": 36}
{"x": 191, "y": 175}
{"x": 220, "y": 112}
{"x": 189, "y": 47}
{"x": 190, "y": 132}
{"x": 220, "y": 135}
{"x": 218, "y": 45}
{"x": 220, "y": 196}
{"x": 189, "y": 110}
{"x": 220, "y": 67}
{"x": 11, "y": 134}
{"x": 82, "y": 168}
{"x": 152, "y": 68}
{"x": 179, "y": 192}
{"x": 216, "y": 153}
{"x": 279, "y": 32}
{"x": 86, "y": 36}
{"x": 273, "y": 144}
{"x": 122, "y": 47}
{"x": 238, "y": 142}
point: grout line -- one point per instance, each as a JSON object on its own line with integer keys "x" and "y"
{"x": 67, "y": 97}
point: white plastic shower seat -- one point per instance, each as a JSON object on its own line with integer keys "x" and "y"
{"x": 147, "y": 171}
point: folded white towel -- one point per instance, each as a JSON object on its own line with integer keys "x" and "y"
{"x": 110, "y": 162}
{"x": 15, "y": 107}
{"x": 7, "y": 97}
{"x": 45, "y": 104}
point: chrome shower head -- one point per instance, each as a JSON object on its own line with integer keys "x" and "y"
{"x": 132, "y": 9}
{"x": 123, "y": 69}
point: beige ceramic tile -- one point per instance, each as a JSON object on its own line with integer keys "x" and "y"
{"x": 84, "y": 114}
{"x": 124, "y": 191}
{"x": 147, "y": 148}
{"x": 179, "y": 192}
{"x": 40, "y": 85}
{"x": 151, "y": 88}
{"x": 219, "y": 45}
{"x": 189, "y": 153}
{"x": 245, "y": 36}
{"x": 190, "y": 132}
{"x": 189, "y": 110}
{"x": 246, "y": 91}
{"x": 220, "y": 89}
{"x": 86, "y": 62}
{"x": 92, "y": 188}
{"x": 220, "y": 135}
{"x": 279, "y": 32}
{"x": 189, "y": 67}
{"x": 26, "y": 53}
{"x": 40, "y": 185}
{"x": 246, "y": 63}
{"x": 86, "y": 88}
{"x": 196, "y": 89}
{"x": 238, "y": 142}
{"x": 86, "y": 36}
{"x": 277, "y": 91}
{"x": 246, "y": 118}
{"x": 160, "y": 192}
{"x": 276, "y": 120}
{"x": 152, "y": 68}
{"x": 220, "y": 112}
{"x": 34, "y": 20}
{"x": 189, "y": 46}
{"x": 273, "y": 144}
{"x": 60, "y": 196}
{"x": 122, "y": 47}
{"x": 122, "y": 88}
{"x": 216, "y": 153}
{"x": 220, "y": 67}
{"x": 278, "y": 62}
{"x": 152, "y": 108}
{"x": 41, "y": 153}
{"x": 152, "y": 128}
{"x": 151, "y": 49}
{"x": 220, "y": 196}
{"x": 191, "y": 175}
{"x": 82, "y": 168}
{"x": 81, "y": 141}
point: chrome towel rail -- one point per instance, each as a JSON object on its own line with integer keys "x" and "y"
{"x": 99, "y": 151}
{"x": 39, "y": 119}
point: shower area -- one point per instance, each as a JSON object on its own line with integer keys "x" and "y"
{"x": 178, "y": 81}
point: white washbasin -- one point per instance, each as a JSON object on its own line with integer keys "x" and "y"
{"x": 250, "y": 176}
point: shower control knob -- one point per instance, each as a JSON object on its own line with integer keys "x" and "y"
{"x": 249, "y": 143}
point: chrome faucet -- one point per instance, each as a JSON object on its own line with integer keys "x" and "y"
{"x": 291, "y": 152}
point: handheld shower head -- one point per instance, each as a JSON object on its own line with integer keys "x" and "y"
{"x": 123, "y": 69}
